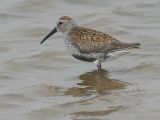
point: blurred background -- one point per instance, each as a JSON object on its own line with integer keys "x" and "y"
{"x": 44, "y": 82}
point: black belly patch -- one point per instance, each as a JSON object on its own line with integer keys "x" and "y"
{"x": 84, "y": 58}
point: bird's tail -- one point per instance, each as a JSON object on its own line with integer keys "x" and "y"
{"x": 129, "y": 45}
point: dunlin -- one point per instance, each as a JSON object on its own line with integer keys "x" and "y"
{"x": 88, "y": 44}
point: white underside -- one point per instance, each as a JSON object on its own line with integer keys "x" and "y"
{"x": 111, "y": 56}
{"x": 115, "y": 55}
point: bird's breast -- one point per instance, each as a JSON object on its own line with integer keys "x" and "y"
{"x": 71, "y": 46}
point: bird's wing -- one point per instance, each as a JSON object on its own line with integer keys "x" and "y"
{"x": 92, "y": 41}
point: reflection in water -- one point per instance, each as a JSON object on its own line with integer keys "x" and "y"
{"x": 97, "y": 113}
{"x": 95, "y": 81}
{"x": 92, "y": 83}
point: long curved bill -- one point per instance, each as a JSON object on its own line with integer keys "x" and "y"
{"x": 50, "y": 34}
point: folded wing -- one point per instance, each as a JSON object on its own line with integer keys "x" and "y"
{"x": 92, "y": 41}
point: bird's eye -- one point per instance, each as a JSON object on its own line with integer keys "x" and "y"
{"x": 60, "y": 23}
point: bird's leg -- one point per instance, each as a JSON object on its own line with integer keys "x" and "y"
{"x": 98, "y": 64}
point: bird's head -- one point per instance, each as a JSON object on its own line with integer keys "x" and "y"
{"x": 64, "y": 25}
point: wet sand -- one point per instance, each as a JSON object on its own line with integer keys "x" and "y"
{"x": 44, "y": 82}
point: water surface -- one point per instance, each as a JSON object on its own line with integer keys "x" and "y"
{"x": 43, "y": 82}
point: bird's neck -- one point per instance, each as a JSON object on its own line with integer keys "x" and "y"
{"x": 68, "y": 28}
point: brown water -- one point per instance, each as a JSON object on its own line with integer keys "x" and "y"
{"x": 43, "y": 82}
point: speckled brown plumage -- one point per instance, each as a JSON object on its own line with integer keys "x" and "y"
{"x": 92, "y": 41}
{"x": 88, "y": 44}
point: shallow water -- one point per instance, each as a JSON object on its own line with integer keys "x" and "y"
{"x": 43, "y": 82}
